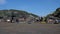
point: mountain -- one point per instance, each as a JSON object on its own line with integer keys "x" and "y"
{"x": 15, "y": 13}
{"x": 56, "y": 13}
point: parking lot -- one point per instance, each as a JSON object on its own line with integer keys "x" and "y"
{"x": 14, "y": 28}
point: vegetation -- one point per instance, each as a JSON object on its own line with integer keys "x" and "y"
{"x": 56, "y": 13}
{"x": 15, "y": 12}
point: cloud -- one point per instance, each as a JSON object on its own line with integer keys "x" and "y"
{"x": 2, "y": 1}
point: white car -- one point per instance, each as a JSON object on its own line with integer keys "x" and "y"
{"x": 50, "y": 21}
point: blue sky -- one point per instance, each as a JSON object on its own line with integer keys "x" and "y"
{"x": 38, "y": 7}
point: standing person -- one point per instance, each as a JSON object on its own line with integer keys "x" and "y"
{"x": 41, "y": 19}
{"x": 17, "y": 20}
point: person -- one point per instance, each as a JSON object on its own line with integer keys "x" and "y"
{"x": 17, "y": 20}
{"x": 41, "y": 19}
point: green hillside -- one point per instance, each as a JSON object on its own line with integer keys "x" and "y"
{"x": 56, "y": 13}
{"x": 16, "y": 13}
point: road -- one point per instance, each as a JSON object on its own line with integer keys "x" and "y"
{"x": 14, "y": 28}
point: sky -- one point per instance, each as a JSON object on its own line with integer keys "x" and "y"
{"x": 38, "y": 7}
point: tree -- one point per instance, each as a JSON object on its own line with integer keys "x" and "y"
{"x": 57, "y": 13}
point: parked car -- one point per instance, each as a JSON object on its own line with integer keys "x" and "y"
{"x": 58, "y": 20}
{"x": 52, "y": 20}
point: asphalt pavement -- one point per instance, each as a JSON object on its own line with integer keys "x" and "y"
{"x": 14, "y": 28}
